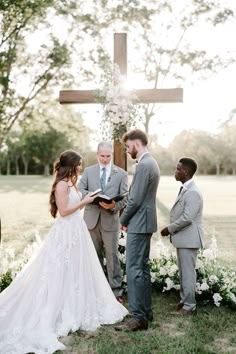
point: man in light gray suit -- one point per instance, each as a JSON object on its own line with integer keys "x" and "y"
{"x": 103, "y": 220}
{"x": 139, "y": 219}
{"x": 186, "y": 233}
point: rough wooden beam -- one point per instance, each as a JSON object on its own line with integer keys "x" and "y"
{"x": 77, "y": 96}
{"x": 120, "y": 52}
{"x": 159, "y": 95}
{"x": 144, "y": 96}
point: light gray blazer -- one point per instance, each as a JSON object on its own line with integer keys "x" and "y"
{"x": 186, "y": 230}
{"x": 140, "y": 212}
{"x": 117, "y": 184}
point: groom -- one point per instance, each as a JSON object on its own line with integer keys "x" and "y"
{"x": 139, "y": 219}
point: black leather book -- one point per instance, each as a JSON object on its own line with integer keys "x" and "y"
{"x": 108, "y": 200}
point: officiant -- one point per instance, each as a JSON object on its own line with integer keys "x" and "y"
{"x": 103, "y": 219}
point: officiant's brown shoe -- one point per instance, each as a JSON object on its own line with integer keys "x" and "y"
{"x": 132, "y": 326}
{"x": 182, "y": 311}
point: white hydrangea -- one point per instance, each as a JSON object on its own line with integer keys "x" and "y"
{"x": 173, "y": 269}
{"x": 217, "y": 299}
{"x": 170, "y": 284}
{"x": 163, "y": 271}
{"x": 153, "y": 277}
{"x": 204, "y": 286}
{"x": 198, "y": 288}
{"x": 213, "y": 279}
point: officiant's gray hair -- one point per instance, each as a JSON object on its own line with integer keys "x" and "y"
{"x": 105, "y": 145}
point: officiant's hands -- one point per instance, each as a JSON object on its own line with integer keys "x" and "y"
{"x": 108, "y": 206}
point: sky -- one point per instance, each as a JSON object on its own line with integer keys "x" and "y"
{"x": 206, "y": 103}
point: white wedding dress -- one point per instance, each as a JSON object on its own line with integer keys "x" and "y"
{"x": 61, "y": 289}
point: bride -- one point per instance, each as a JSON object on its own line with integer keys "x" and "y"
{"x": 63, "y": 287}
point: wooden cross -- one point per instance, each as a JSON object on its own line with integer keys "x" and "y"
{"x": 144, "y": 96}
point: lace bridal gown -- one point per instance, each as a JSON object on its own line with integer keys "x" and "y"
{"x": 61, "y": 289}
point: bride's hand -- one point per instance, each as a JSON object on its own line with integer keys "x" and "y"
{"x": 87, "y": 199}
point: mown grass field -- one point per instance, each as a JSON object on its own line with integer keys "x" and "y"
{"x": 24, "y": 209}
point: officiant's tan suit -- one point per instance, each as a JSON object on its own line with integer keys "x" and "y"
{"x": 186, "y": 232}
{"x": 103, "y": 225}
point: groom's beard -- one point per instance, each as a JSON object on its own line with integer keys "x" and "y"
{"x": 134, "y": 153}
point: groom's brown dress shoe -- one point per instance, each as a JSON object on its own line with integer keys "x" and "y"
{"x": 133, "y": 325}
{"x": 179, "y": 306}
{"x": 182, "y": 311}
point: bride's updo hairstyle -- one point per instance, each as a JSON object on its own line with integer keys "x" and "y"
{"x": 64, "y": 170}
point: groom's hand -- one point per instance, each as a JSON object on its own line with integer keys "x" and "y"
{"x": 165, "y": 231}
{"x": 124, "y": 228}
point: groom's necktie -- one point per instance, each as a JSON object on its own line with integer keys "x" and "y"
{"x": 103, "y": 179}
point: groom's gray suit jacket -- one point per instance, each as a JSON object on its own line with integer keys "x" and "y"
{"x": 140, "y": 212}
{"x": 117, "y": 184}
{"x": 185, "y": 227}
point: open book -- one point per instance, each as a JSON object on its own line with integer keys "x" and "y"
{"x": 104, "y": 198}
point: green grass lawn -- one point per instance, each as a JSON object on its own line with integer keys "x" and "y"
{"x": 24, "y": 209}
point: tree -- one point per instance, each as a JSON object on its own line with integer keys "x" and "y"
{"x": 17, "y": 65}
{"x": 227, "y": 136}
{"x": 45, "y": 147}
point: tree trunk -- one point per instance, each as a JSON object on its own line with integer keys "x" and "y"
{"x": 217, "y": 169}
{"x": 26, "y": 165}
{"x": 8, "y": 167}
{"x": 17, "y": 166}
{"x": 46, "y": 169}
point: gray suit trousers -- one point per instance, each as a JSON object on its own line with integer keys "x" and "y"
{"x": 138, "y": 275}
{"x": 187, "y": 261}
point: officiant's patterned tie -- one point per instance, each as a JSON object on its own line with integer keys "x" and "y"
{"x": 103, "y": 179}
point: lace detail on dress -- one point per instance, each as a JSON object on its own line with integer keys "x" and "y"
{"x": 61, "y": 289}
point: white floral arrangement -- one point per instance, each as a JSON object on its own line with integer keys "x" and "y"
{"x": 216, "y": 283}
{"x": 10, "y": 265}
{"x": 119, "y": 109}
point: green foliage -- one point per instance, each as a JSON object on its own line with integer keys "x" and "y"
{"x": 5, "y": 280}
{"x": 17, "y": 64}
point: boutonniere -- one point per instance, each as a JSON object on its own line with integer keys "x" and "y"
{"x": 113, "y": 170}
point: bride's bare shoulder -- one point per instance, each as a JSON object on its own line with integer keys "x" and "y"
{"x": 62, "y": 186}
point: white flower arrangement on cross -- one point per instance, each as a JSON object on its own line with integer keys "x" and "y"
{"x": 119, "y": 109}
